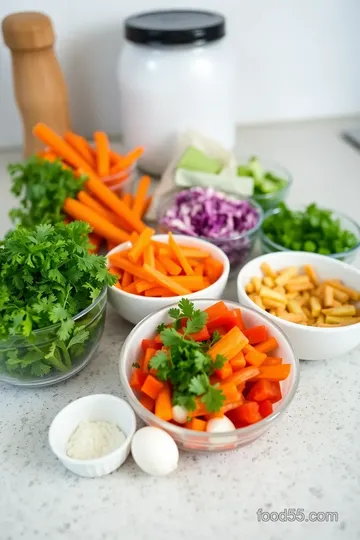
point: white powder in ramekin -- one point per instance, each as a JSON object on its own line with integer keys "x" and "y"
{"x": 92, "y": 440}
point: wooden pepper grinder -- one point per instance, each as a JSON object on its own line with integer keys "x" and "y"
{"x": 40, "y": 88}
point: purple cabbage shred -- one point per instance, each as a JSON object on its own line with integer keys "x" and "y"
{"x": 204, "y": 212}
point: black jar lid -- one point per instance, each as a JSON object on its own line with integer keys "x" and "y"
{"x": 174, "y": 27}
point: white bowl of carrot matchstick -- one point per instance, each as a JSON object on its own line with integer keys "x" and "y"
{"x": 156, "y": 271}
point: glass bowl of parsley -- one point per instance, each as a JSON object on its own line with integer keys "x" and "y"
{"x": 311, "y": 229}
{"x": 272, "y": 182}
{"x": 53, "y": 296}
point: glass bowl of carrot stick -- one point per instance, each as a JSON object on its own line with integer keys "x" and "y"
{"x": 257, "y": 378}
{"x": 155, "y": 271}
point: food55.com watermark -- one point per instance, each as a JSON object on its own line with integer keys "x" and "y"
{"x": 289, "y": 515}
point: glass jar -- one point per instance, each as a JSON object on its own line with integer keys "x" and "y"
{"x": 175, "y": 74}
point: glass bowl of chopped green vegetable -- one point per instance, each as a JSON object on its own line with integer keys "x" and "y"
{"x": 272, "y": 182}
{"x": 53, "y": 295}
{"x": 43, "y": 358}
{"x": 312, "y": 229}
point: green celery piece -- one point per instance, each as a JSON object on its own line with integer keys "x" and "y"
{"x": 243, "y": 170}
{"x": 256, "y": 169}
{"x": 194, "y": 159}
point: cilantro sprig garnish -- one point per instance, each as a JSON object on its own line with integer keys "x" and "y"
{"x": 185, "y": 362}
{"x": 47, "y": 276}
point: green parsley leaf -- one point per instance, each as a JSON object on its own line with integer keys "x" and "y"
{"x": 218, "y": 362}
{"x": 160, "y": 328}
{"x": 161, "y": 362}
{"x": 196, "y": 322}
{"x": 170, "y": 336}
{"x": 174, "y": 313}
{"x": 80, "y": 335}
{"x": 186, "y": 307}
{"x": 185, "y": 401}
{"x": 199, "y": 384}
{"x": 213, "y": 399}
{"x": 215, "y": 338}
{"x": 201, "y": 360}
{"x": 42, "y": 187}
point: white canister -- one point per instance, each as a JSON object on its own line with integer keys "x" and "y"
{"x": 175, "y": 73}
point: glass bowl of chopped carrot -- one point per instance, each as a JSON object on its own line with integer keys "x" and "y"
{"x": 214, "y": 374}
{"x": 155, "y": 271}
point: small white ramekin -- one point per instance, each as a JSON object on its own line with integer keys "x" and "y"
{"x": 97, "y": 407}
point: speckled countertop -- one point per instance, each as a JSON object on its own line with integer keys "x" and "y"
{"x": 310, "y": 460}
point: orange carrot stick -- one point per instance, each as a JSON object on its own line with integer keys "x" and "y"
{"x": 267, "y": 346}
{"x": 180, "y": 256}
{"x": 111, "y": 200}
{"x": 100, "y": 225}
{"x": 172, "y": 268}
{"x": 50, "y": 156}
{"x": 131, "y": 289}
{"x": 146, "y": 206}
{"x": 60, "y": 147}
{"x": 81, "y": 146}
{"x": 159, "y": 291}
{"x": 273, "y": 373}
{"x": 127, "y": 199}
{"x": 159, "y": 266}
{"x": 229, "y": 345}
{"x": 194, "y": 283}
{"x": 126, "y": 279}
{"x": 139, "y": 247}
{"x": 241, "y": 376}
{"x": 149, "y": 257}
{"x": 196, "y": 424}
{"x": 165, "y": 281}
{"x": 115, "y": 157}
{"x": 142, "y": 285}
{"x": 213, "y": 269}
{"x": 149, "y": 353}
{"x": 124, "y": 264}
{"x": 140, "y": 196}
{"x": 163, "y": 405}
{"x": 95, "y": 243}
{"x": 94, "y": 184}
{"x": 92, "y": 203}
{"x": 272, "y": 361}
{"x": 102, "y": 153}
{"x": 128, "y": 160}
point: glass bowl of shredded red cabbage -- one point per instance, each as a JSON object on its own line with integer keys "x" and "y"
{"x": 228, "y": 222}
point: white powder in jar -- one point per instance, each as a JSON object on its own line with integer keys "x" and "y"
{"x": 92, "y": 440}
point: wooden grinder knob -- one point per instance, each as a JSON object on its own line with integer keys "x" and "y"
{"x": 40, "y": 88}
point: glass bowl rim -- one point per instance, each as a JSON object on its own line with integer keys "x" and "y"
{"x": 200, "y": 435}
{"x": 273, "y": 211}
{"x": 171, "y": 193}
{"x": 263, "y": 159}
{"x": 39, "y": 331}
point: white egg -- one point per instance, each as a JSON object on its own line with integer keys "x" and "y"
{"x": 154, "y": 451}
{"x": 180, "y": 414}
{"x": 220, "y": 425}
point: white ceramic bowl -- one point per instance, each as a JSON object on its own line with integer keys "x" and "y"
{"x": 97, "y": 407}
{"x": 199, "y": 441}
{"x": 309, "y": 342}
{"x": 134, "y": 308}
